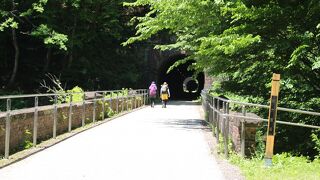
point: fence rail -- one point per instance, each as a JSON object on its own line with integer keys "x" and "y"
{"x": 96, "y": 96}
{"x": 212, "y": 106}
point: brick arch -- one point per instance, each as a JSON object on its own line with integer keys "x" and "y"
{"x": 158, "y": 62}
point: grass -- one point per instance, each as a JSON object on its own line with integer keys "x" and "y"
{"x": 285, "y": 166}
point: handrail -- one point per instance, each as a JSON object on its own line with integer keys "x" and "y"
{"x": 131, "y": 96}
{"x": 267, "y": 107}
{"x": 218, "y": 114}
{"x": 59, "y": 94}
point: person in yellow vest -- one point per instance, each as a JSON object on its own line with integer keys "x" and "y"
{"x": 164, "y": 94}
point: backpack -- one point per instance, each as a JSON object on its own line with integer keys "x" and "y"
{"x": 164, "y": 89}
{"x": 153, "y": 90}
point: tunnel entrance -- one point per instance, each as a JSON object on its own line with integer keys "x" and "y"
{"x": 182, "y": 84}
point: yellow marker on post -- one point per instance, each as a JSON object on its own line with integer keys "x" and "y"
{"x": 272, "y": 118}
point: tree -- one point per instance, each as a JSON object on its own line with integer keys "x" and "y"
{"x": 17, "y": 16}
{"x": 78, "y": 41}
{"x": 246, "y": 41}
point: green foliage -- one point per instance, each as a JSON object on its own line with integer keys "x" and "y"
{"x": 246, "y": 41}
{"x": 64, "y": 96}
{"x": 316, "y": 140}
{"x": 285, "y": 166}
{"x": 76, "y": 93}
{"x": 8, "y": 23}
{"x": 260, "y": 145}
{"x": 39, "y": 6}
{"x": 79, "y": 41}
{"x": 50, "y": 37}
{"x": 123, "y": 93}
{"x": 18, "y": 103}
{"x": 221, "y": 145}
{"x": 110, "y": 112}
{"x": 27, "y": 143}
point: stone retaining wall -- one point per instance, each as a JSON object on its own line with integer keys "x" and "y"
{"x": 22, "y": 120}
{"x": 250, "y": 132}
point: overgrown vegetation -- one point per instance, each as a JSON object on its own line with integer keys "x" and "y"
{"x": 27, "y": 142}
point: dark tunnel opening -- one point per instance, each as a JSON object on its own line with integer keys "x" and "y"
{"x": 182, "y": 84}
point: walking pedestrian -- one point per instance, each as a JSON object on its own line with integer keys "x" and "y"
{"x": 165, "y": 94}
{"x": 152, "y": 93}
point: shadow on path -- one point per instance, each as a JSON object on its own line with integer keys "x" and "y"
{"x": 181, "y": 103}
{"x": 187, "y": 124}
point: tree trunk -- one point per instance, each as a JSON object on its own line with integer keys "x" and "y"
{"x": 17, "y": 52}
{"x": 70, "y": 60}
{"x": 48, "y": 60}
{"x": 16, "y": 58}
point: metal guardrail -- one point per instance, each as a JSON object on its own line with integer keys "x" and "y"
{"x": 212, "y": 105}
{"x": 114, "y": 95}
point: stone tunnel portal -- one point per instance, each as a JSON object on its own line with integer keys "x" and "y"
{"x": 182, "y": 84}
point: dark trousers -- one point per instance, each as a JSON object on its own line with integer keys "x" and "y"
{"x": 164, "y": 103}
{"x": 152, "y": 101}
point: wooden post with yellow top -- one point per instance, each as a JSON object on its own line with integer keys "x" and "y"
{"x": 272, "y": 118}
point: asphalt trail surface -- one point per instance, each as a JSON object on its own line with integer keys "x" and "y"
{"x": 148, "y": 144}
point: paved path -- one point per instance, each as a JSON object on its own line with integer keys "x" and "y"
{"x": 149, "y": 144}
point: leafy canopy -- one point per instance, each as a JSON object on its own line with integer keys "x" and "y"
{"x": 246, "y": 41}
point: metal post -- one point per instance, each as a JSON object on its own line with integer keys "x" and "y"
{"x": 206, "y": 116}
{"x": 223, "y": 118}
{"x": 122, "y": 102}
{"x": 103, "y": 104}
{"x": 110, "y": 101}
{"x": 213, "y": 117}
{"x": 55, "y": 117}
{"x": 35, "y": 121}
{"x": 135, "y": 99}
{"x": 131, "y": 103}
{"x": 94, "y": 107}
{"x": 209, "y": 108}
{"x": 144, "y": 97}
{"x": 83, "y": 109}
{"x": 140, "y": 99}
{"x": 227, "y": 130}
{"x": 117, "y": 102}
{"x": 218, "y": 121}
{"x": 54, "y": 130}
{"x": 224, "y": 130}
{"x": 127, "y": 102}
{"x": 243, "y": 137}
{"x": 8, "y": 127}
{"x": 209, "y": 104}
{"x": 70, "y": 113}
{"x": 140, "y": 102}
